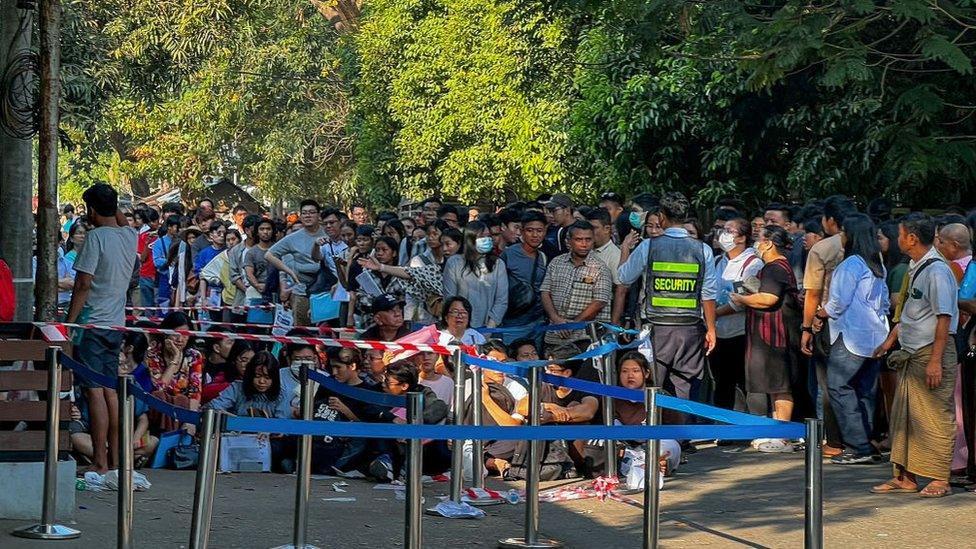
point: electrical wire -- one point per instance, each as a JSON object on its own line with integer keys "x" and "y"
{"x": 19, "y": 97}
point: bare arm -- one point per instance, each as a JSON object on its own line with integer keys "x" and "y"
{"x": 280, "y": 265}
{"x": 759, "y": 300}
{"x": 590, "y": 312}
{"x": 79, "y": 295}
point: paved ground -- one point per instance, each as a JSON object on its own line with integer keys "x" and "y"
{"x": 718, "y": 499}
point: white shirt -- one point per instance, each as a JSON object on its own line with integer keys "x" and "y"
{"x": 732, "y": 271}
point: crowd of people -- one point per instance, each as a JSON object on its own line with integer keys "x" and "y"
{"x": 861, "y": 318}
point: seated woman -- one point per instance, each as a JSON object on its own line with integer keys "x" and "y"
{"x": 177, "y": 372}
{"x": 456, "y": 321}
{"x": 633, "y": 373}
{"x": 258, "y": 393}
{"x": 240, "y": 355}
{"x": 401, "y": 378}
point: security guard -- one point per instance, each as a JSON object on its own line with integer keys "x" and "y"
{"x": 679, "y": 292}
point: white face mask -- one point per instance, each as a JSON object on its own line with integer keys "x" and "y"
{"x": 726, "y": 241}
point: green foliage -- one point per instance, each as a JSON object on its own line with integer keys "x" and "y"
{"x": 170, "y": 91}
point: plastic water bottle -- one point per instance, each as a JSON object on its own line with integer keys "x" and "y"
{"x": 512, "y": 496}
{"x": 80, "y": 484}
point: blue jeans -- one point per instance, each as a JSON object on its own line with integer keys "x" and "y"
{"x": 147, "y": 291}
{"x": 164, "y": 290}
{"x": 852, "y": 384}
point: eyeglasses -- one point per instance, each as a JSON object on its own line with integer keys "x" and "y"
{"x": 455, "y": 312}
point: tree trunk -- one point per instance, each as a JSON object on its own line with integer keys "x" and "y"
{"x": 16, "y": 180}
{"x": 46, "y": 288}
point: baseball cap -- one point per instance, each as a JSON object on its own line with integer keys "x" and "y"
{"x": 559, "y": 200}
{"x": 385, "y": 302}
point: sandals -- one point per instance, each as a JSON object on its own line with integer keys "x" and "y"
{"x": 890, "y": 487}
{"x": 935, "y": 492}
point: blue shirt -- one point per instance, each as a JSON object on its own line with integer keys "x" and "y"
{"x": 858, "y": 307}
{"x": 203, "y": 257}
{"x": 160, "y": 249}
{"x": 636, "y": 264}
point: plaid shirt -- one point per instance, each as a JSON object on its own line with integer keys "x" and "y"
{"x": 574, "y": 288}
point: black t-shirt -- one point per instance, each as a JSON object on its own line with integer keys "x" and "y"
{"x": 550, "y": 396}
{"x": 364, "y": 411}
{"x": 373, "y": 334}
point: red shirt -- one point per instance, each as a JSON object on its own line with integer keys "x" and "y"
{"x": 148, "y": 269}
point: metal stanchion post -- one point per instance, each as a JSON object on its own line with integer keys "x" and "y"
{"x": 415, "y": 491}
{"x": 813, "y": 526}
{"x": 125, "y": 462}
{"x": 652, "y": 493}
{"x": 531, "y": 538}
{"x": 605, "y": 366}
{"x": 457, "y": 454}
{"x": 477, "y": 446}
{"x": 203, "y": 491}
{"x": 303, "y": 469}
{"x": 48, "y": 527}
{"x": 610, "y": 378}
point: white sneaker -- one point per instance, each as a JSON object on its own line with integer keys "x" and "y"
{"x": 775, "y": 446}
{"x": 755, "y": 443}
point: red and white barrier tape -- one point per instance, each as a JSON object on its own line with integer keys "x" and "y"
{"x": 321, "y": 329}
{"x": 267, "y": 306}
{"x": 347, "y": 343}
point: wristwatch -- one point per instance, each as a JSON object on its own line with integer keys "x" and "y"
{"x": 807, "y": 329}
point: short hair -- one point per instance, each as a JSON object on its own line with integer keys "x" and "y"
{"x": 239, "y": 208}
{"x": 725, "y": 214}
{"x": 610, "y": 196}
{"x": 326, "y": 212}
{"x": 491, "y": 220}
{"x": 139, "y": 344}
{"x": 780, "y": 207}
{"x": 309, "y": 202}
{"x": 143, "y": 215}
{"x": 674, "y": 206}
{"x": 68, "y": 208}
{"x": 446, "y": 209}
{"x": 496, "y": 345}
{"x": 813, "y": 226}
{"x": 599, "y": 214}
{"x": 509, "y": 215}
{"x": 173, "y": 207}
{"x": 357, "y": 205}
{"x": 578, "y": 226}
{"x": 646, "y": 201}
{"x": 533, "y": 215}
{"x": 251, "y": 221}
{"x": 404, "y": 372}
{"x": 102, "y": 198}
{"x": 519, "y": 343}
{"x": 921, "y": 225}
{"x": 838, "y": 207}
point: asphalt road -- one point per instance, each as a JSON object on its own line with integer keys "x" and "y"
{"x": 717, "y": 499}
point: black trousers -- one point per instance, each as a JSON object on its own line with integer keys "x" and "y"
{"x": 728, "y": 365}
{"x": 679, "y": 362}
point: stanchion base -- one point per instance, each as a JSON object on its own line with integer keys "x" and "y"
{"x": 628, "y": 491}
{"x": 290, "y": 546}
{"x": 46, "y": 531}
{"x": 520, "y": 543}
{"x": 485, "y": 502}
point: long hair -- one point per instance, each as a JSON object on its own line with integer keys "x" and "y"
{"x": 265, "y": 360}
{"x": 472, "y": 257}
{"x": 894, "y": 255}
{"x": 392, "y": 244}
{"x": 861, "y": 239}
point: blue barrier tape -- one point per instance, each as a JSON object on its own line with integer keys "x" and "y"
{"x": 355, "y": 393}
{"x": 548, "y": 432}
{"x": 615, "y": 391}
{"x": 182, "y": 415}
{"x": 618, "y": 330}
{"x": 85, "y": 372}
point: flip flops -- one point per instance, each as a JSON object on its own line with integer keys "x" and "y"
{"x": 890, "y": 487}
{"x": 935, "y": 492}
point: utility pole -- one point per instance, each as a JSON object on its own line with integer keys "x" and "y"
{"x": 46, "y": 288}
{"x": 16, "y": 162}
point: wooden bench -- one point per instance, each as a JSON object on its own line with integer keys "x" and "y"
{"x": 29, "y": 443}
